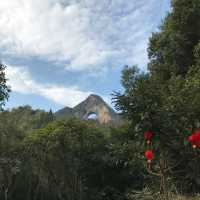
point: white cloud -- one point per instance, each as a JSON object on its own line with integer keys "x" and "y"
{"x": 80, "y": 34}
{"x": 21, "y": 81}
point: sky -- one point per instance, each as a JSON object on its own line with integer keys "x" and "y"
{"x": 58, "y": 52}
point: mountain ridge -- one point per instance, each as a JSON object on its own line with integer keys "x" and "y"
{"x": 93, "y": 104}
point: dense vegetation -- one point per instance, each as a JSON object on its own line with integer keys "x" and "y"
{"x": 69, "y": 159}
{"x": 4, "y": 89}
{"x": 42, "y": 158}
{"x": 166, "y": 100}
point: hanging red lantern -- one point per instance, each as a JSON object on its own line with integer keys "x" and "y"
{"x": 197, "y": 138}
{"x": 147, "y": 136}
{"x": 149, "y": 155}
{"x": 194, "y": 139}
{"x": 191, "y": 139}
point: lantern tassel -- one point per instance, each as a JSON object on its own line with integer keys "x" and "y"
{"x": 149, "y": 164}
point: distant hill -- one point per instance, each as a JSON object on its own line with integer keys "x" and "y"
{"x": 94, "y": 104}
{"x": 25, "y": 118}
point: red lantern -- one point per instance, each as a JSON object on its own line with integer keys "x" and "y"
{"x": 149, "y": 155}
{"x": 147, "y": 136}
{"x": 191, "y": 139}
{"x": 194, "y": 139}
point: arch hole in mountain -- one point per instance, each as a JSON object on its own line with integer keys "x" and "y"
{"x": 92, "y": 116}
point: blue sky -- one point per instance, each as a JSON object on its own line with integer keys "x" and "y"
{"x": 60, "y": 51}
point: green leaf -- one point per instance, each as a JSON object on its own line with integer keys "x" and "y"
{"x": 185, "y": 143}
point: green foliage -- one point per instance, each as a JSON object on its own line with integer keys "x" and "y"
{"x": 170, "y": 110}
{"x": 171, "y": 51}
{"x": 41, "y": 158}
{"x": 25, "y": 118}
{"x": 166, "y": 100}
{"x": 61, "y": 151}
{"x": 4, "y": 89}
{"x": 70, "y": 159}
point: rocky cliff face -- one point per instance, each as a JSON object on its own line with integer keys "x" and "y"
{"x": 94, "y": 104}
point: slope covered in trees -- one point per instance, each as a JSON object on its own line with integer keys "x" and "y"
{"x": 25, "y": 118}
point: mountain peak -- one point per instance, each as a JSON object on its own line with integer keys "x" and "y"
{"x": 94, "y": 97}
{"x": 93, "y": 104}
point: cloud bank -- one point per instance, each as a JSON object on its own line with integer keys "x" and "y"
{"x": 21, "y": 81}
{"x": 79, "y": 34}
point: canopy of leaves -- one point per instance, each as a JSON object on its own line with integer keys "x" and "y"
{"x": 70, "y": 159}
{"x": 25, "y": 118}
{"x": 167, "y": 99}
{"x": 171, "y": 51}
{"x": 4, "y": 89}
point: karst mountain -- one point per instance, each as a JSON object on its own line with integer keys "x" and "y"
{"x": 93, "y": 105}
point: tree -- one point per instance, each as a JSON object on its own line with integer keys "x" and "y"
{"x": 25, "y": 118}
{"x": 4, "y": 89}
{"x": 65, "y": 159}
{"x": 77, "y": 159}
{"x": 166, "y": 100}
{"x": 10, "y": 138}
{"x": 171, "y": 51}
{"x": 169, "y": 110}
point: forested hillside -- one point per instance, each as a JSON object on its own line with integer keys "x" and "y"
{"x": 25, "y": 118}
